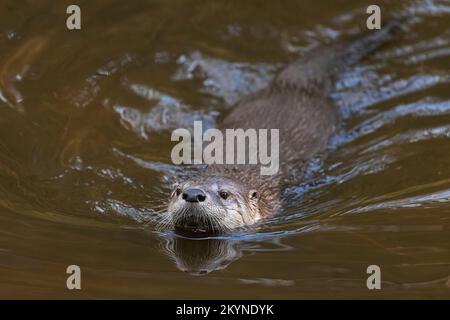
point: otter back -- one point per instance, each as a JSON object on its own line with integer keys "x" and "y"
{"x": 297, "y": 101}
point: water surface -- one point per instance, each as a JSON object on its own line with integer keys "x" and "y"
{"x": 85, "y": 123}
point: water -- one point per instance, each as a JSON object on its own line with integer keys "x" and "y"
{"x": 85, "y": 122}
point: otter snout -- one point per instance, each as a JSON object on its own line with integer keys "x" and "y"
{"x": 194, "y": 195}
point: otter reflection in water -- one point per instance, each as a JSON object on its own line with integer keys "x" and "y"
{"x": 199, "y": 256}
{"x": 221, "y": 198}
{"x": 202, "y": 256}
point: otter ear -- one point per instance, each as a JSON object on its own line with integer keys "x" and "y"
{"x": 253, "y": 195}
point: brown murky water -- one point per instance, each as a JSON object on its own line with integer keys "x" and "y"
{"x": 85, "y": 122}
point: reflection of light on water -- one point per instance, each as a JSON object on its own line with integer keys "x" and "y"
{"x": 435, "y": 198}
{"x": 226, "y": 80}
{"x": 165, "y": 113}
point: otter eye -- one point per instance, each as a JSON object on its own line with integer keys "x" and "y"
{"x": 254, "y": 195}
{"x": 223, "y": 194}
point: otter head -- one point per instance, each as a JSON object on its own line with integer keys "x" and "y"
{"x": 212, "y": 204}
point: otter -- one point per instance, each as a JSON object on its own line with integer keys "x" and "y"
{"x": 221, "y": 198}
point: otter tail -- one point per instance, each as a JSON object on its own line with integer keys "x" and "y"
{"x": 316, "y": 70}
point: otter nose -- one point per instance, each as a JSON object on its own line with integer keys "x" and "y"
{"x": 194, "y": 195}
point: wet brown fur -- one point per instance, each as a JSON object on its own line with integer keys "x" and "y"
{"x": 297, "y": 103}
